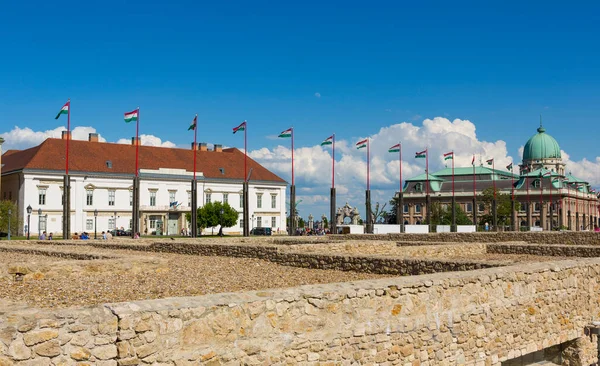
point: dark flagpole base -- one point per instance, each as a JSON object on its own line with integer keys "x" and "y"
{"x": 246, "y": 213}
{"x": 494, "y": 215}
{"x": 551, "y": 217}
{"x": 428, "y": 214}
{"x": 453, "y": 227}
{"x": 513, "y": 216}
{"x": 475, "y": 212}
{"x": 400, "y": 214}
{"x": 66, "y": 227}
{"x": 369, "y": 214}
{"x": 194, "y": 210}
{"x": 332, "y": 210}
{"x": 569, "y": 226}
{"x": 292, "y": 210}
{"x": 135, "y": 209}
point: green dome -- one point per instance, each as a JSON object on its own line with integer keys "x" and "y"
{"x": 541, "y": 146}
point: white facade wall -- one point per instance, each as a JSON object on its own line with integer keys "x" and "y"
{"x": 81, "y": 212}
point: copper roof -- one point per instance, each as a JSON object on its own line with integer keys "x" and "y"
{"x": 86, "y": 156}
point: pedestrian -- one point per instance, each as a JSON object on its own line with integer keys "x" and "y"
{"x": 108, "y": 235}
{"x": 43, "y": 236}
{"x": 104, "y": 235}
{"x": 50, "y": 236}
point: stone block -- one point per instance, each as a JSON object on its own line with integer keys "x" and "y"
{"x": 49, "y": 349}
{"x": 80, "y": 354}
{"x": 18, "y": 350}
{"x": 105, "y": 352}
{"x": 39, "y": 336}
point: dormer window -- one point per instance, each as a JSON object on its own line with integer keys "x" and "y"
{"x": 109, "y": 164}
{"x": 536, "y": 183}
{"x": 419, "y": 187}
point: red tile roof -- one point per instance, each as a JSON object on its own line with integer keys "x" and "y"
{"x": 85, "y": 156}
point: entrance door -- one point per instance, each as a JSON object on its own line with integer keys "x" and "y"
{"x": 172, "y": 224}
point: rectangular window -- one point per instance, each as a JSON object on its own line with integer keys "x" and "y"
{"x": 469, "y": 207}
{"x": 111, "y": 197}
{"x": 417, "y": 208}
{"x": 153, "y": 198}
{"x": 89, "y": 224}
{"x": 153, "y": 221}
{"x": 481, "y": 207}
{"x": 259, "y": 221}
{"x": 42, "y": 196}
{"x": 241, "y": 200}
{"x": 242, "y": 223}
{"x": 89, "y": 197}
{"x": 273, "y": 201}
{"x": 208, "y": 198}
{"x": 405, "y": 209}
{"x": 172, "y": 198}
{"x": 259, "y": 200}
{"x": 189, "y": 195}
{"x": 226, "y": 198}
{"x": 130, "y": 198}
{"x": 111, "y": 223}
{"x": 536, "y": 207}
{"x": 273, "y": 222}
{"x": 43, "y": 220}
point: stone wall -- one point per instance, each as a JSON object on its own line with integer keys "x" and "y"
{"x": 545, "y": 237}
{"x": 545, "y": 250}
{"x": 481, "y": 317}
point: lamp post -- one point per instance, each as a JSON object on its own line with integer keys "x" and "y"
{"x": 115, "y": 222}
{"x": 95, "y": 224}
{"x": 39, "y": 222}
{"x": 29, "y": 210}
{"x": 221, "y": 223}
{"x": 9, "y": 215}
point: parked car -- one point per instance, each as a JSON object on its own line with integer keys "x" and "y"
{"x": 261, "y": 231}
{"x": 119, "y": 232}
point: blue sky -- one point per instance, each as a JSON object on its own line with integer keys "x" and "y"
{"x": 373, "y": 65}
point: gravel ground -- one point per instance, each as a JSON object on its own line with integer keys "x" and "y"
{"x": 182, "y": 276}
{"x": 9, "y": 258}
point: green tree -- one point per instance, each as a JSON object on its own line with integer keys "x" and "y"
{"x": 441, "y": 215}
{"x": 209, "y": 215}
{"x": 503, "y": 206}
{"x": 15, "y": 224}
{"x": 301, "y": 222}
{"x": 392, "y": 217}
{"x": 325, "y": 223}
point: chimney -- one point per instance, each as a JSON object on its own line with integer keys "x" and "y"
{"x": 65, "y": 134}
{"x": 93, "y": 137}
{"x": 218, "y": 148}
{"x": 134, "y": 140}
{"x": 202, "y": 146}
{"x": 194, "y": 147}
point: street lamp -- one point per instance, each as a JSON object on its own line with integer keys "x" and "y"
{"x": 95, "y": 223}
{"x": 9, "y": 215}
{"x": 29, "y": 210}
{"x": 115, "y": 222}
{"x": 39, "y": 222}
{"x": 221, "y": 228}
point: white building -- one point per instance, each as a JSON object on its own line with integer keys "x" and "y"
{"x": 102, "y": 180}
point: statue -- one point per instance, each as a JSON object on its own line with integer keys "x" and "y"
{"x": 347, "y": 211}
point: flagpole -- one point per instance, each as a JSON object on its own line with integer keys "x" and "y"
{"x": 400, "y": 210}
{"x": 68, "y": 134}
{"x": 541, "y": 198}
{"x": 453, "y": 173}
{"x": 427, "y": 171}
{"x": 333, "y": 163}
{"x": 195, "y": 149}
{"x": 137, "y": 142}
{"x": 332, "y": 203}
{"x": 292, "y": 155}
{"x": 368, "y": 165}
{"x": 474, "y": 195}
{"x": 245, "y": 151}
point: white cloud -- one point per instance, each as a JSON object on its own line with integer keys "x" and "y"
{"x": 22, "y": 138}
{"x": 318, "y": 95}
{"x": 149, "y": 140}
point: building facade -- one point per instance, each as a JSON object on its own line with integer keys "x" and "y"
{"x": 548, "y": 196}
{"x": 102, "y": 187}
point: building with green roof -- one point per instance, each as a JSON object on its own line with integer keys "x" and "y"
{"x": 548, "y": 197}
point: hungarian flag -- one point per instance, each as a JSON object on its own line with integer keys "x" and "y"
{"x": 241, "y": 127}
{"x": 328, "y": 141}
{"x": 547, "y": 174}
{"x": 421, "y": 155}
{"x": 131, "y": 116}
{"x": 286, "y": 133}
{"x": 361, "y": 144}
{"x": 473, "y": 160}
{"x": 509, "y": 166}
{"x": 395, "y": 148}
{"x": 448, "y": 156}
{"x": 490, "y": 161}
{"x": 194, "y": 123}
{"x": 64, "y": 109}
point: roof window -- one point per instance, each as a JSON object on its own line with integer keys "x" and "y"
{"x": 222, "y": 170}
{"x": 109, "y": 164}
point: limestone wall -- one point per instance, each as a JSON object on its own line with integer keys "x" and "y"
{"x": 481, "y": 317}
{"x": 545, "y": 237}
{"x": 545, "y": 250}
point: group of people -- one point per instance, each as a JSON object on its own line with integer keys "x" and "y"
{"x": 43, "y": 236}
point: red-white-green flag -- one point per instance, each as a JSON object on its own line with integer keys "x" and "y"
{"x": 64, "y": 109}
{"x": 241, "y": 127}
{"x": 509, "y": 166}
{"x": 361, "y": 144}
{"x": 131, "y": 116}
{"x": 328, "y": 141}
{"x": 547, "y": 174}
{"x": 286, "y": 133}
{"x": 194, "y": 123}
{"x": 490, "y": 161}
{"x": 449, "y": 155}
{"x": 395, "y": 148}
{"x": 421, "y": 154}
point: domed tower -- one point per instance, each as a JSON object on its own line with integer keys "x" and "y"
{"x": 542, "y": 151}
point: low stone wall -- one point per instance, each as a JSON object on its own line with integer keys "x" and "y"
{"x": 544, "y": 237}
{"x": 545, "y": 250}
{"x": 482, "y": 317}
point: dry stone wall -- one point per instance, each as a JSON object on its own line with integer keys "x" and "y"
{"x": 481, "y": 317}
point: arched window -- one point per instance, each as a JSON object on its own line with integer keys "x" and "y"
{"x": 418, "y": 208}
{"x": 419, "y": 187}
{"x": 536, "y": 183}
